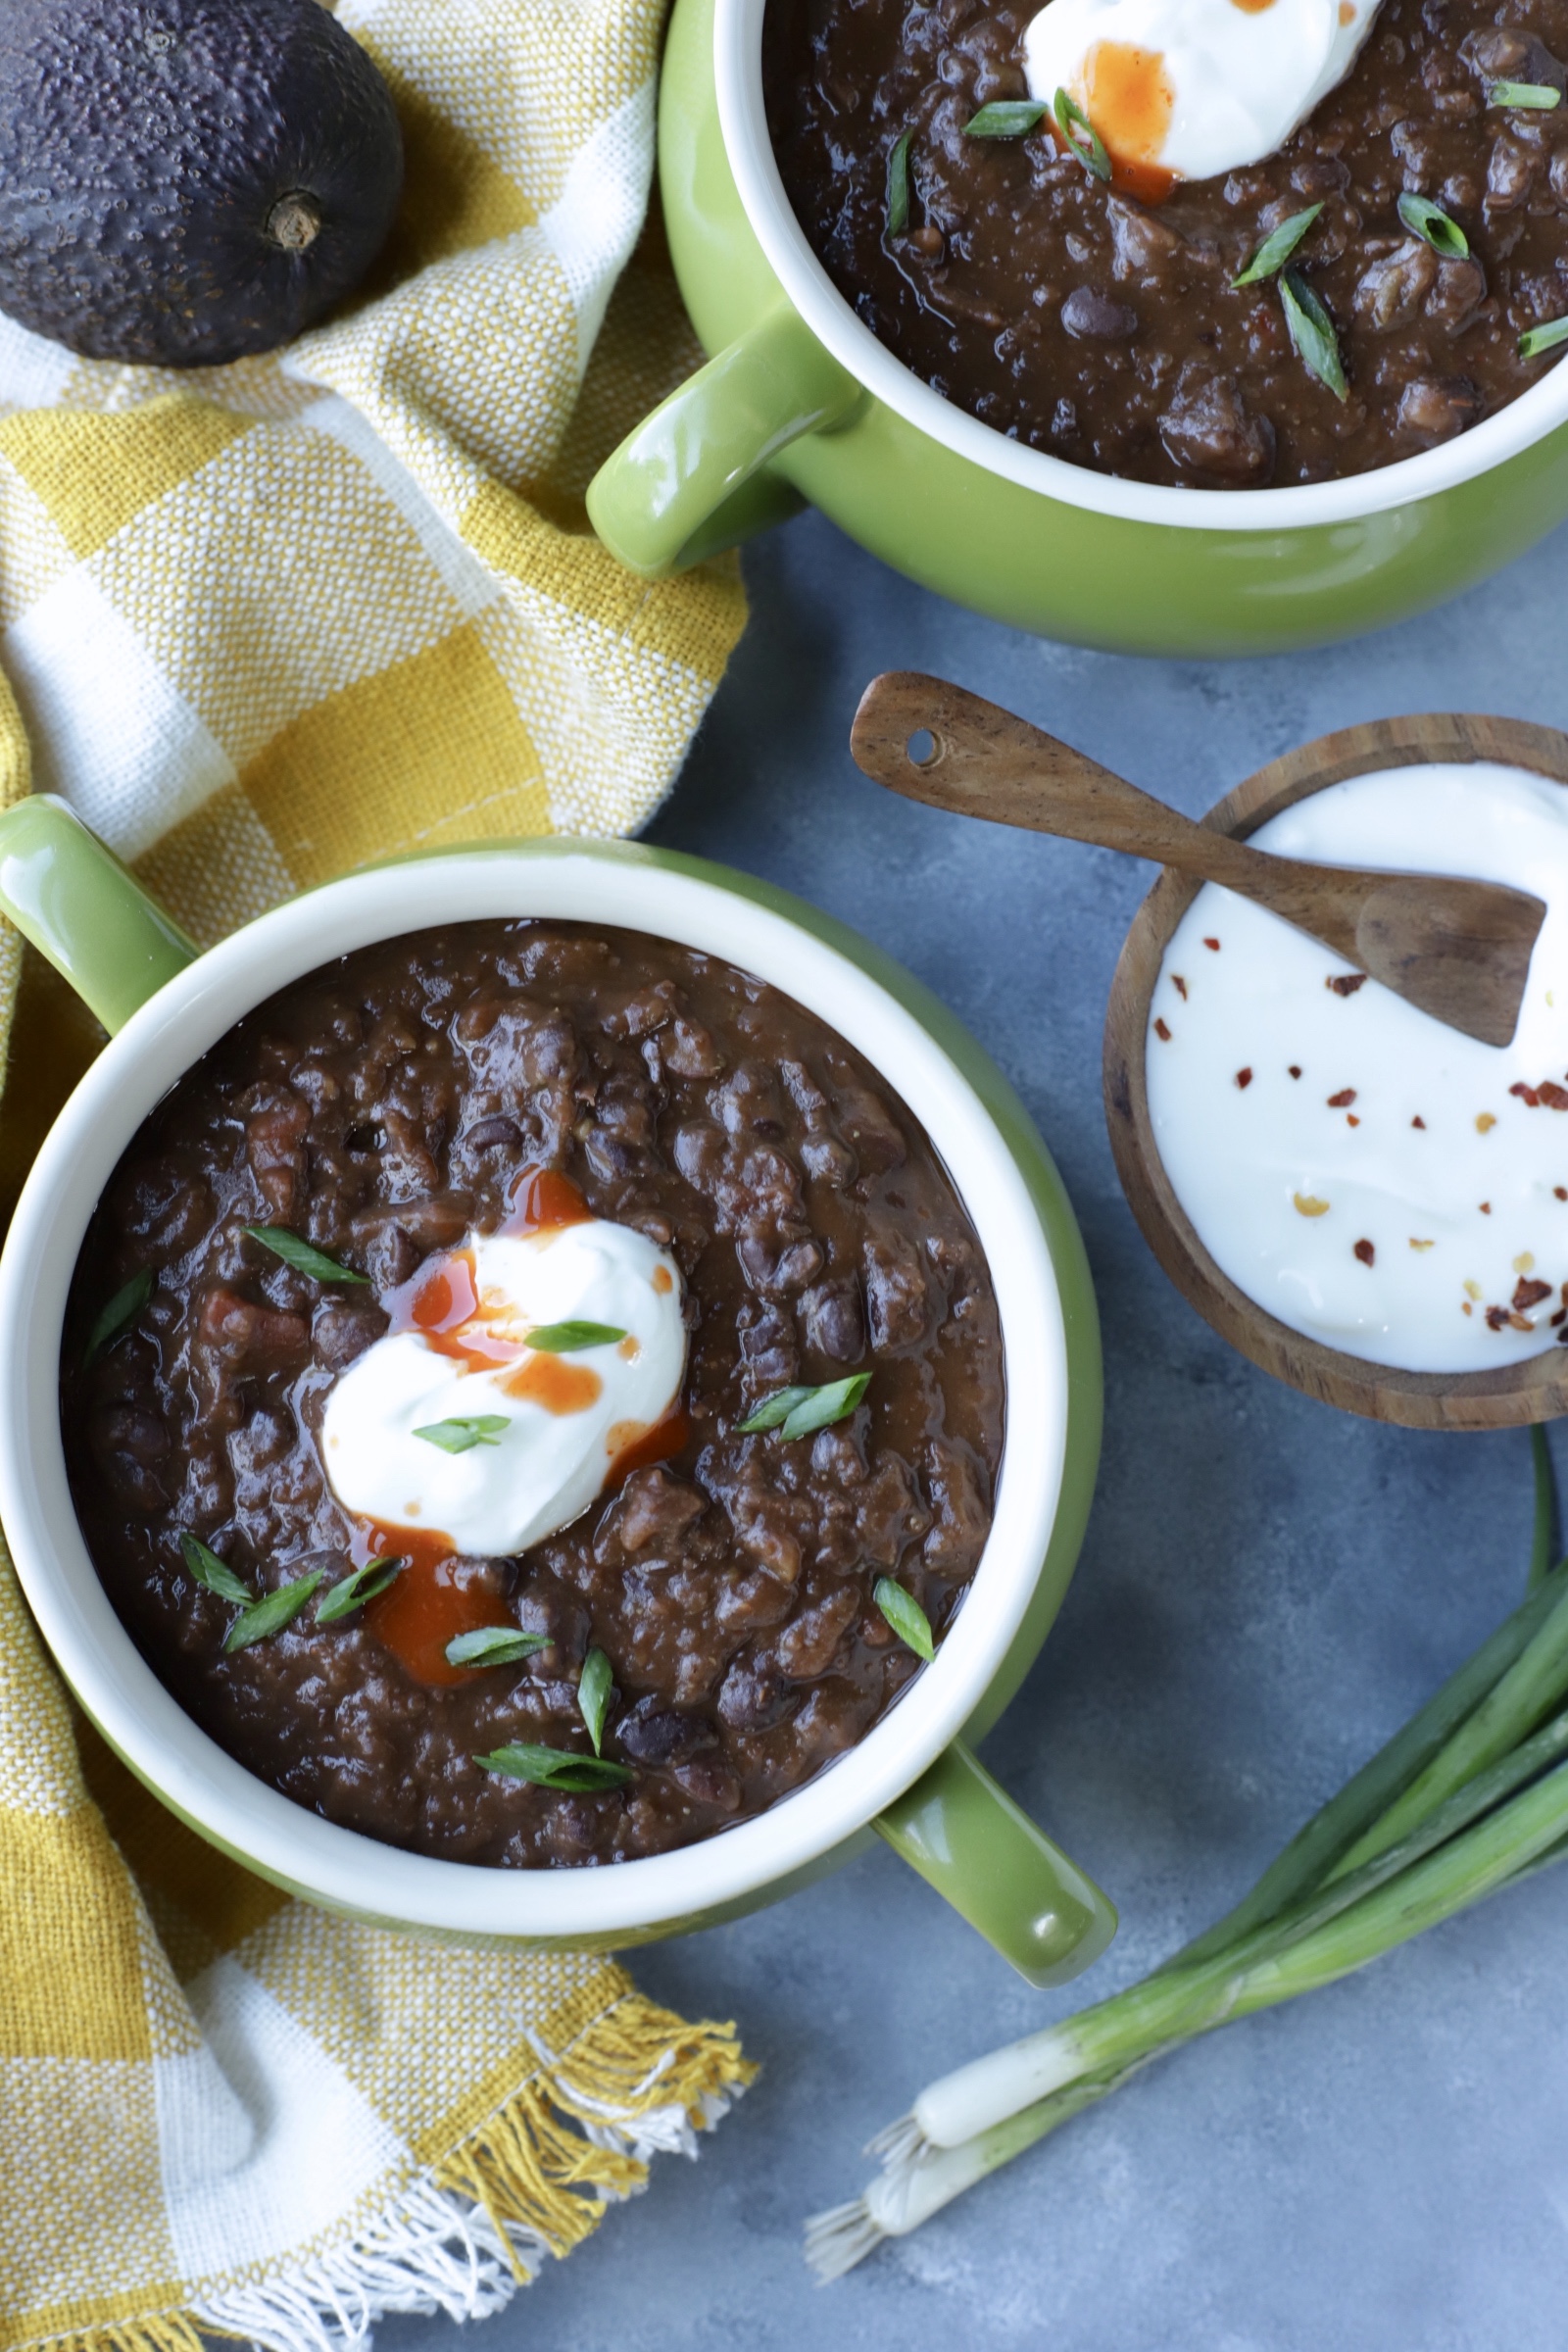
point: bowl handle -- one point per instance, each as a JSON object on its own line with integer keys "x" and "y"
{"x": 72, "y": 897}
{"x": 964, "y": 1832}
{"x": 692, "y": 478}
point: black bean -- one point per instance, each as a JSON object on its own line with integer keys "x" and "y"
{"x": 833, "y": 1319}
{"x": 654, "y": 1734}
{"x": 1088, "y": 315}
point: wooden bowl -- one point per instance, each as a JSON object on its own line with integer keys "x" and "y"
{"x": 1535, "y": 1390}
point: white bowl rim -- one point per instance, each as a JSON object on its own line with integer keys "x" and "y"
{"x": 595, "y": 882}
{"x": 1303, "y": 506}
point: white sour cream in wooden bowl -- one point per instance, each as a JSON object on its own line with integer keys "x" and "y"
{"x": 1371, "y": 1178}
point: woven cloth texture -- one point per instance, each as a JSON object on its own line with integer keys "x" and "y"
{"x": 261, "y": 624}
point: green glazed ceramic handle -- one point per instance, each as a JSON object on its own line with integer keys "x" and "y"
{"x": 691, "y": 479}
{"x": 81, "y": 910}
{"x": 964, "y": 1832}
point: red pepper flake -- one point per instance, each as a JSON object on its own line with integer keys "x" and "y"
{"x": 1421, "y": 1123}
{"x": 1350, "y": 1120}
{"x": 1554, "y": 1097}
{"x": 1346, "y": 984}
{"x": 1179, "y": 985}
{"x": 1244, "y": 1079}
{"x": 1560, "y": 1191}
{"x": 1212, "y": 943}
{"x": 1496, "y": 1318}
{"x": 1486, "y": 1208}
{"x": 1343, "y": 1100}
{"x": 1526, "y": 1095}
{"x": 1526, "y": 1294}
{"x": 1562, "y": 1339}
{"x": 1162, "y": 1031}
{"x": 1296, "y": 1069}
{"x": 1365, "y": 1252}
{"x": 1561, "y": 1317}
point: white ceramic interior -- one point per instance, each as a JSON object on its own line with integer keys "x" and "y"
{"x": 738, "y": 76}
{"x": 608, "y": 883}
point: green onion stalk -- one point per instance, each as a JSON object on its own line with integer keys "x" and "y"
{"x": 1469, "y": 1797}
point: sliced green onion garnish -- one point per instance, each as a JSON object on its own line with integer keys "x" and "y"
{"x": 773, "y": 1409}
{"x": 554, "y": 1767}
{"x": 796, "y": 1413}
{"x": 1005, "y": 118}
{"x": 1524, "y": 93}
{"x": 302, "y": 1255}
{"x": 905, "y": 1616}
{"x": 120, "y": 1313}
{"x": 1081, "y": 136}
{"x": 593, "y": 1694}
{"x": 1537, "y": 339}
{"x": 1429, "y": 221}
{"x": 899, "y": 184}
{"x": 494, "y": 1646}
{"x": 353, "y": 1591}
{"x": 1312, "y": 333}
{"x": 209, "y": 1570}
{"x": 1277, "y": 247}
{"x": 562, "y": 1339}
{"x": 465, "y": 1431}
{"x": 269, "y": 1616}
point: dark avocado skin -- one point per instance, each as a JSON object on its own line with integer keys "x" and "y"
{"x": 143, "y": 145}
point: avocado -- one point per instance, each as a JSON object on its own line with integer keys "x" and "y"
{"x": 188, "y": 182}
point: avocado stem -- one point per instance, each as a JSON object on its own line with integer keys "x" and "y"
{"x": 294, "y": 222}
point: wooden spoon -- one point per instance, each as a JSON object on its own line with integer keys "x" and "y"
{"x": 1458, "y": 949}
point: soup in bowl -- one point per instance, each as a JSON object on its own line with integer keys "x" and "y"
{"x": 506, "y": 1387}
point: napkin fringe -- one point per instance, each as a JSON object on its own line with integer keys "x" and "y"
{"x": 635, "y": 2082}
{"x": 157, "y": 2331}
{"x": 534, "y": 2179}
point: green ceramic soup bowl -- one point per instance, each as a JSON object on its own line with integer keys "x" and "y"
{"x": 914, "y": 1777}
{"x": 799, "y": 400}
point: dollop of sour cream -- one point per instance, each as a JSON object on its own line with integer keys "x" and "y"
{"x": 1372, "y": 1178}
{"x": 1191, "y": 90}
{"x": 528, "y": 1437}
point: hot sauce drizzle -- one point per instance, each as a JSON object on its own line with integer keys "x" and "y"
{"x": 633, "y": 1447}
{"x": 1128, "y": 97}
{"x": 556, "y": 1382}
{"x": 442, "y": 1304}
{"x": 542, "y": 1198}
{"x": 425, "y": 1606}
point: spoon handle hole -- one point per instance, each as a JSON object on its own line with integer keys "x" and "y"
{"x": 922, "y": 748}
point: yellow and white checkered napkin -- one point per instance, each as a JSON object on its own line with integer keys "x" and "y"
{"x": 265, "y": 620}
{"x": 224, "y": 2110}
{"x": 263, "y": 623}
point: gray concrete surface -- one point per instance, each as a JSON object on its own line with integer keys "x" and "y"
{"x": 1267, "y": 1589}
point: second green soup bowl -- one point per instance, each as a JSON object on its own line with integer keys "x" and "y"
{"x": 800, "y": 402}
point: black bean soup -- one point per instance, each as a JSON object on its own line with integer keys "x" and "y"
{"x": 1106, "y": 329}
{"x": 378, "y": 1110}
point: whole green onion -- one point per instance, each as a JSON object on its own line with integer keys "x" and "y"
{"x": 1469, "y": 1797}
